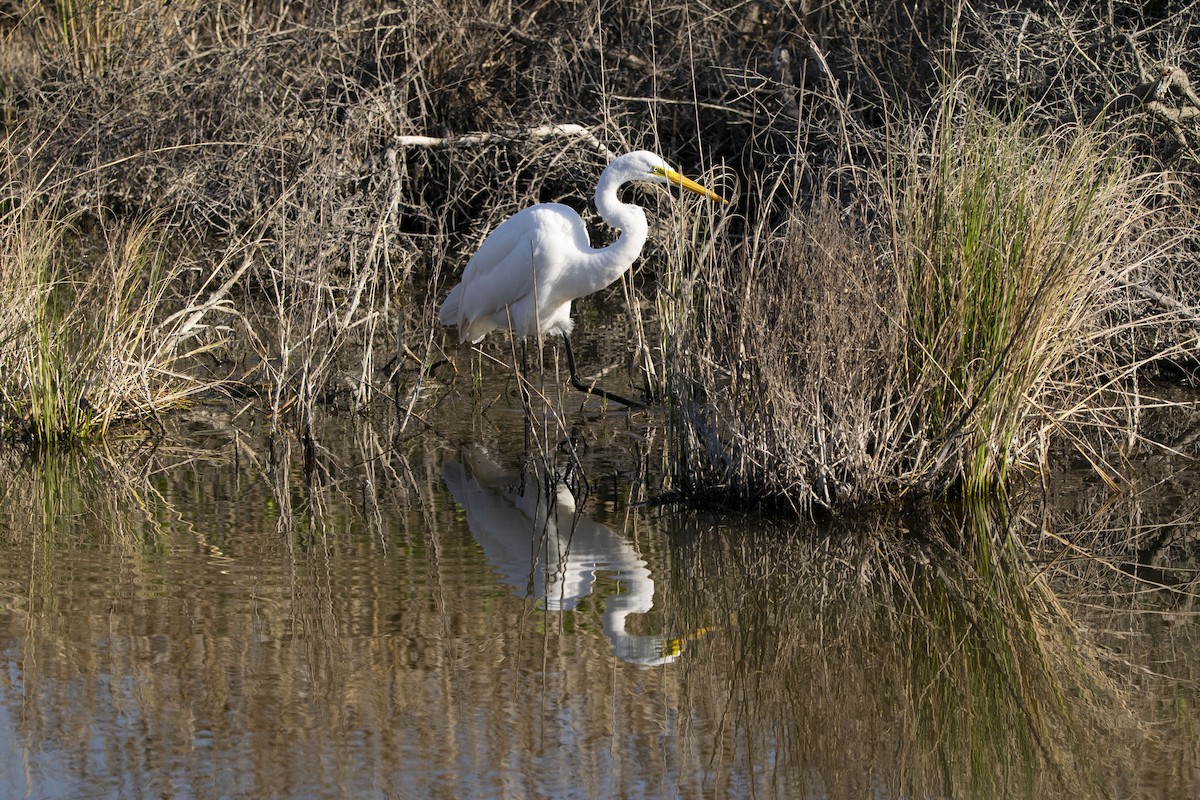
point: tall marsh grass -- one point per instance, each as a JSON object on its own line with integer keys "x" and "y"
{"x": 943, "y": 349}
{"x": 86, "y": 349}
{"x": 1006, "y": 246}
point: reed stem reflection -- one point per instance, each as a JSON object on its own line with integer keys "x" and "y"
{"x": 898, "y": 657}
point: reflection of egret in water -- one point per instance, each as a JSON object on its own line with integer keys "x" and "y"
{"x": 552, "y": 553}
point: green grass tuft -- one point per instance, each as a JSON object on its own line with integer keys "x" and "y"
{"x": 1005, "y": 244}
{"x": 85, "y": 350}
{"x": 827, "y": 358}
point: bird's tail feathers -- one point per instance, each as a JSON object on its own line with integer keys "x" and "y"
{"x": 449, "y": 314}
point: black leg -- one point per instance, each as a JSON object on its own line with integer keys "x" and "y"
{"x": 522, "y": 381}
{"x": 523, "y": 378}
{"x": 583, "y": 387}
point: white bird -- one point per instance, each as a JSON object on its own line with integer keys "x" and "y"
{"x": 529, "y": 269}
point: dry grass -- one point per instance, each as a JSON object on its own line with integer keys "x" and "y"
{"x": 276, "y": 134}
{"x": 773, "y": 399}
{"x": 84, "y": 351}
{"x": 985, "y": 319}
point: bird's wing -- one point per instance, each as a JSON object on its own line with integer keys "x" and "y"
{"x": 534, "y": 242}
{"x": 502, "y": 271}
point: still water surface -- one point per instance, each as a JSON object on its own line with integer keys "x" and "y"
{"x": 416, "y": 616}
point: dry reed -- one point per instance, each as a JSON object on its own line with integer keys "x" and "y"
{"x": 825, "y": 360}
{"x": 320, "y": 153}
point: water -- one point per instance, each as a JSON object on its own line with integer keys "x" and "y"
{"x": 417, "y": 617}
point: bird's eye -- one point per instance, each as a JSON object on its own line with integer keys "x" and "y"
{"x": 659, "y": 171}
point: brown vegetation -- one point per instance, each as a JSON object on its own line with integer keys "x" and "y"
{"x": 319, "y": 156}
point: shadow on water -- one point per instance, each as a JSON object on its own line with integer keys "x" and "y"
{"x": 410, "y": 620}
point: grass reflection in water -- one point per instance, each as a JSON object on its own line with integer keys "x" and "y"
{"x": 241, "y": 629}
{"x": 908, "y": 657}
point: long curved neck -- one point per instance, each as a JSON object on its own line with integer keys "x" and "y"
{"x": 610, "y": 263}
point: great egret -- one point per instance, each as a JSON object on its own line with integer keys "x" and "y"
{"x": 530, "y": 268}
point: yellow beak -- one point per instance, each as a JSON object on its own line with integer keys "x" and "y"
{"x": 689, "y": 184}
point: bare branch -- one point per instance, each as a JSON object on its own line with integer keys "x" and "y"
{"x": 466, "y": 139}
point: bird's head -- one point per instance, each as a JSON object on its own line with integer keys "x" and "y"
{"x": 642, "y": 165}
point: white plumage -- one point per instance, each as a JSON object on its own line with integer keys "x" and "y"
{"x": 530, "y": 268}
